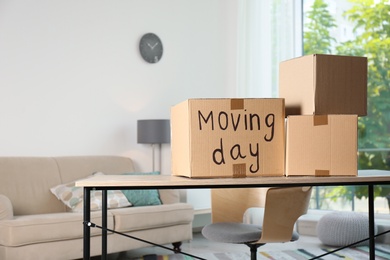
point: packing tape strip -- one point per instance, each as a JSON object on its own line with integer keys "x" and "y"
{"x": 320, "y": 120}
{"x": 239, "y": 170}
{"x": 322, "y": 173}
{"x": 237, "y": 103}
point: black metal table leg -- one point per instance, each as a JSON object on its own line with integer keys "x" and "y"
{"x": 104, "y": 224}
{"x": 87, "y": 219}
{"x": 371, "y": 220}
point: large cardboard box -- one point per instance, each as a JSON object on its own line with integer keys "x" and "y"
{"x": 324, "y": 84}
{"x": 228, "y": 138}
{"x": 321, "y": 145}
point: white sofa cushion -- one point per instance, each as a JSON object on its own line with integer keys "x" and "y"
{"x": 141, "y": 218}
{"x": 31, "y": 229}
{"x": 24, "y": 230}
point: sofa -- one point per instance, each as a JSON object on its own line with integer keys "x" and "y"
{"x": 36, "y": 224}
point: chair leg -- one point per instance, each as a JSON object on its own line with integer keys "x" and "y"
{"x": 253, "y": 248}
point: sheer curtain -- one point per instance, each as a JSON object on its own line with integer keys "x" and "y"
{"x": 269, "y": 31}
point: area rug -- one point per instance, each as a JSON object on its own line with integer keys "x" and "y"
{"x": 382, "y": 252}
{"x": 207, "y": 256}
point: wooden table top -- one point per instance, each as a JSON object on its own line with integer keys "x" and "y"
{"x": 177, "y": 182}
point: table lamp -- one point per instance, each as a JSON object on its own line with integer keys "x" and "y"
{"x": 154, "y": 132}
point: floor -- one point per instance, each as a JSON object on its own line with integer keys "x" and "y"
{"x": 201, "y": 245}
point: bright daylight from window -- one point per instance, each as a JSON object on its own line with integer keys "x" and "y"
{"x": 357, "y": 28}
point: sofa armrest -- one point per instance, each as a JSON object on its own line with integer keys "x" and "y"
{"x": 169, "y": 196}
{"x": 6, "y": 209}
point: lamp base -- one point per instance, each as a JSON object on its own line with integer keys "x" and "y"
{"x": 154, "y": 157}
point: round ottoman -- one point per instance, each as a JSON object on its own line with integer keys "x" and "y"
{"x": 343, "y": 228}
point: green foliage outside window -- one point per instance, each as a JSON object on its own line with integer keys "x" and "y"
{"x": 371, "y": 20}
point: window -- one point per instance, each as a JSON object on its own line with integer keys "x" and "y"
{"x": 357, "y": 28}
{"x": 270, "y": 31}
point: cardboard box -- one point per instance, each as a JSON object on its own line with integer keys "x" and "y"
{"x": 324, "y": 84}
{"x": 228, "y": 138}
{"x": 321, "y": 145}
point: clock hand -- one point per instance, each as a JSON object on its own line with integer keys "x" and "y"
{"x": 154, "y": 46}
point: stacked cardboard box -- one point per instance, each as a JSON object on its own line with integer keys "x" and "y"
{"x": 228, "y": 138}
{"x": 324, "y": 95}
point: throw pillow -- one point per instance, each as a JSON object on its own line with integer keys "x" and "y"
{"x": 73, "y": 196}
{"x": 115, "y": 199}
{"x": 143, "y": 197}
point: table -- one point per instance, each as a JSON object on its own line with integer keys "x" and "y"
{"x": 113, "y": 182}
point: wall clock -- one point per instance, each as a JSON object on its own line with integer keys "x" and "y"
{"x": 151, "y": 48}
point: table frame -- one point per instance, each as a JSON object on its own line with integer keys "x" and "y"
{"x": 119, "y": 182}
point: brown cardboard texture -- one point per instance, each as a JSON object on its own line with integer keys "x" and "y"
{"x": 321, "y": 145}
{"x": 228, "y": 138}
{"x": 324, "y": 84}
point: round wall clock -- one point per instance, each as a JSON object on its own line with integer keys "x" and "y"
{"x": 150, "y": 47}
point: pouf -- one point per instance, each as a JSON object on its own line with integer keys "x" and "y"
{"x": 343, "y": 228}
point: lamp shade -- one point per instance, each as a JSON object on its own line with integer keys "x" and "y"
{"x": 153, "y": 131}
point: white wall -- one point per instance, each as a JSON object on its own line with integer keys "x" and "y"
{"x": 72, "y": 81}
